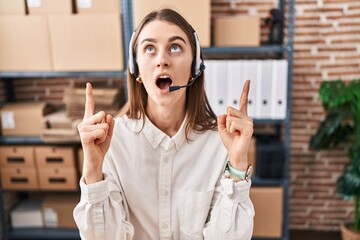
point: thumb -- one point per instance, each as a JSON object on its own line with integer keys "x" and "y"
{"x": 221, "y": 123}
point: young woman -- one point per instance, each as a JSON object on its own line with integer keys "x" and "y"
{"x": 167, "y": 168}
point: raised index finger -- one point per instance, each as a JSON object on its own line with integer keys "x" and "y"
{"x": 244, "y": 97}
{"x": 89, "y": 102}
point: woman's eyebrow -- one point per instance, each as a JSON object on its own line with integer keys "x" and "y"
{"x": 171, "y": 39}
{"x": 176, "y": 38}
{"x": 148, "y": 40}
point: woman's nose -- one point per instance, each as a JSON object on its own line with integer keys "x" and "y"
{"x": 162, "y": 59}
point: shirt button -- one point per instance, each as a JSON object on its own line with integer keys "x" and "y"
{"x": 165, "y": 193}
{"x": 165, "y": 226}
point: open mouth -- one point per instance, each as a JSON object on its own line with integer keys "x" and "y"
{"x": 164, "y": 82}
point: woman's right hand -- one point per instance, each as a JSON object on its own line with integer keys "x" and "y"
{"x": 95, "y": 134}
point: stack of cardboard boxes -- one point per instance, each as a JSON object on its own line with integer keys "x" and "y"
{"x": 228, "y": 31}
{"x": 50, "y": 36}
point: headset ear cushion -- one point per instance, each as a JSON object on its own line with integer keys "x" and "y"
{"x": 193, "y": 66}
{"x": 136, "y": 69}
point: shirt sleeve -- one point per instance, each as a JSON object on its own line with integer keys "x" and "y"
{"x": 102, "y": 212}
{"x": 232, "y": 213}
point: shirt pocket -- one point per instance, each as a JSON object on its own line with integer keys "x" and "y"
{"x": 193, "y": 210}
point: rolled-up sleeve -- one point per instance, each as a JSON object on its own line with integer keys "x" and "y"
{"x": 232, "y": 212}
{"x": 102, "y": 212}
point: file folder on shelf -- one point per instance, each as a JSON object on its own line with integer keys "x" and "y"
{"x": 279, "y": 89}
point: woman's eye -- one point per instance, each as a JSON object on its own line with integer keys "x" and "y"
{"x": 149, "y": 49}
{"x": 175, "y": 48}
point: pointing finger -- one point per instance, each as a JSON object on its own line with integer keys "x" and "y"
{"x": 244, "y": 97}
{"x": 89, "y": 102}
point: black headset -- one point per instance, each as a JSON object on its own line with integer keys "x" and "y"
{"x": 197, "y": 66}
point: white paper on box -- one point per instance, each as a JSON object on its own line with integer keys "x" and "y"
{"x": 8, "y": 120}
{"x": 84, "y": 3}
{"x": 51, "y": 218}
{"x": 34, "y": 3}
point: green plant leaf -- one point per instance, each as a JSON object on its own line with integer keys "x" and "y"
{"x": 329, "y": 90}
{"x": 349, "y": 183}
{"x": 330, "y": 132}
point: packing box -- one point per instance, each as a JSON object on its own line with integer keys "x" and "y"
{"x": 58, "y": 210}
{"x": 268, "y": 204}
{"x": 23, "y": 119}
{"x": 237, "y": 31}
{"x": 46, "y": 7}
{"x": 12, "y": 7}
{"x": 19, "y": 178}
{"x": 98, "y": 6}
{"x": 58, "y": 179}
{"x": 24, "y": 43}
{"x": 197, "y": 13}
{"x": 86, "y": 42}
{"x": 27, "y": 214}
{"x": 54, "y": 157}
{"x": 17, "y": 156}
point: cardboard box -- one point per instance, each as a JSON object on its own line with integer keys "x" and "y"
{"x": 58, "y": 179}
{"x": 87, "y": 42}
{"x": 23, "y": 119}
{"x": 46, "y": 7}
{"x": 28, "y": 214}
{"x": 98, "y": 6}
{"x": 19, "y": 178}
{"x": 268, "y": 204}
{"x": 58, "y": 210}
{"x": 24, "y": 44}
{"x": 237, "y": 31}
{"x": 17, "y": 156}
{"x": 197, "y": 13}
{"x": 54, "y": 157}
{"x": 12, "y": 7}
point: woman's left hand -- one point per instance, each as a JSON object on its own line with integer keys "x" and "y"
{"x": 236, "y": 130}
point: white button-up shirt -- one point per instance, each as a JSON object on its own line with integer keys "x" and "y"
{"x": 161, "y": 187}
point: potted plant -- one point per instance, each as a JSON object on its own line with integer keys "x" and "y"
{"x": 341, "y": 102}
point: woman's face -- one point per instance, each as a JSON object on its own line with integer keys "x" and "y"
{"x": 164, "y": 58}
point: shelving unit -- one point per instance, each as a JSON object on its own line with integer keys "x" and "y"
{"x": 209, "y": 53}
{"x": 281, "y": 50}
{"x": 8, "y": 78}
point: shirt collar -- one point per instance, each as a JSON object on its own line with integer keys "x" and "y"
{"x": 158, "y": 138}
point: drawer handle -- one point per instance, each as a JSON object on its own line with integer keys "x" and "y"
{"x": 54, "y": 160}
{"x": 19, "y": 180}
{"x": 57, "y": 180}
{"x": 15, "y": 160}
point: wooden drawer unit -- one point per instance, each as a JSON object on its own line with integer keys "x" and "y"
{"x": 58, "y": 179}
{"x": 19, "y": 178}
{"x": 17, "y": 156}
{"x": 54, "y": 157}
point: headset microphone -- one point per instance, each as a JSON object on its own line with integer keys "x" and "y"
{"x": 174, "y": 88}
